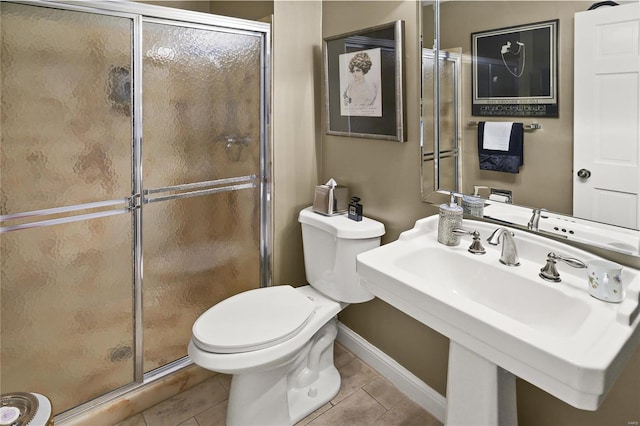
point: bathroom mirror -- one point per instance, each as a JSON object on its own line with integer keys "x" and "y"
{"x": 548, "y": 177}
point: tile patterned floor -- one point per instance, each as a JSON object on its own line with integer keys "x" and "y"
{"x": 365, "y": 399}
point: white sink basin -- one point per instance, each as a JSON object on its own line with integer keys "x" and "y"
{"x": 554, "y": 335}
{"x": 497, "y": 288}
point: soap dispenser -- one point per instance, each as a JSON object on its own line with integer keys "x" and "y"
{"x": 450, "y": 218}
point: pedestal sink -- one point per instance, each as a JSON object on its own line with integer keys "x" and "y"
{"x": 506, "y": 321}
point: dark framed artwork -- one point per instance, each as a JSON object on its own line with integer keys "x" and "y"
{"x": 515, "y": 71}
{"x": 364, "y": 83}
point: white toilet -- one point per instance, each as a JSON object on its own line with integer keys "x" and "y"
{"x": 277, "y": 342}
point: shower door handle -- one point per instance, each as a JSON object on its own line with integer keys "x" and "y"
{"x": 67, "y": 214}
{"x": 200, "y": 188}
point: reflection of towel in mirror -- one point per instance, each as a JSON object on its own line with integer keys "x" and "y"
{"x": 500, "y": 146}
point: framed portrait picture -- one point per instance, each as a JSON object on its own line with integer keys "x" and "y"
{"x": 364, "y": 83}
{"x": 515, "y": 71}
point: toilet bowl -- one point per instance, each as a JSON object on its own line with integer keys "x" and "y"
{"x": 280, "y": 384}
{"x": 277, "y": 342}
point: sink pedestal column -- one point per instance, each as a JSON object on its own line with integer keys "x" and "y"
{"x": 478, "y": 391}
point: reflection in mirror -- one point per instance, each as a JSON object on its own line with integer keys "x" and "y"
{"x": 548, "y": 178}
{"x": 445, "y": 172}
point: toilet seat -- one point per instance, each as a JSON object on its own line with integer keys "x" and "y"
{"x": 253, "y": 320}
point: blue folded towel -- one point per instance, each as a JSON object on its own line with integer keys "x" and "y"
{"x": 508, "y": 160}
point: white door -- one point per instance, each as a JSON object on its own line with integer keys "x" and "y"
{"x": 606, "y": 123}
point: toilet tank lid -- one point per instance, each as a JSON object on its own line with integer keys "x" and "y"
{"x": 341, "y": 226}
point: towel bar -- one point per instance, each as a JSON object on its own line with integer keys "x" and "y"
{"x": 532, "y": 126}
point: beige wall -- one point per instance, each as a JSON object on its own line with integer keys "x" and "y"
{"x": 386, "y": 175}
{"x": 195, "y": 5}
{"x": 255, "y": 10}
{"x": 245, "y": 9}
{"x": 297, "y": 37}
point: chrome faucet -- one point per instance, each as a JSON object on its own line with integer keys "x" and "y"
{"x": 509, "y": 255}
{"x": 535, "y": 219}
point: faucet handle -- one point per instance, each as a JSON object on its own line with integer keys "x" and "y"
{"x": 461, "y": 231}
{"x": 571, "y": 261}
{"x": 476, "y": 246}
{"x": 549, "y": 271}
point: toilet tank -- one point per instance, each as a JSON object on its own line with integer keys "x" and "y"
{"x": 331, "y": 244}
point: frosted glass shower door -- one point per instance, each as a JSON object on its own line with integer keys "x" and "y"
{"x": 202, "y": 144}
{"x": 65, "y": 169}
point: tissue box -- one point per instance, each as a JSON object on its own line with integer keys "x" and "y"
{"x": 331, "y": 200}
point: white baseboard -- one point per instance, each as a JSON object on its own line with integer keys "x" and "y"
{"x": 400, "y": 377}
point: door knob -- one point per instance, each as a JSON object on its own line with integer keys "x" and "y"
{"x": 584, "y": 173}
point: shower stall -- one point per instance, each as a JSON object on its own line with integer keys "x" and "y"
{"x": 134, "y": 189}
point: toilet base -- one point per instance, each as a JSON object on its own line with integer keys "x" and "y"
{"x": 288, "y": 393}
{"x": 303, "y": 402}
